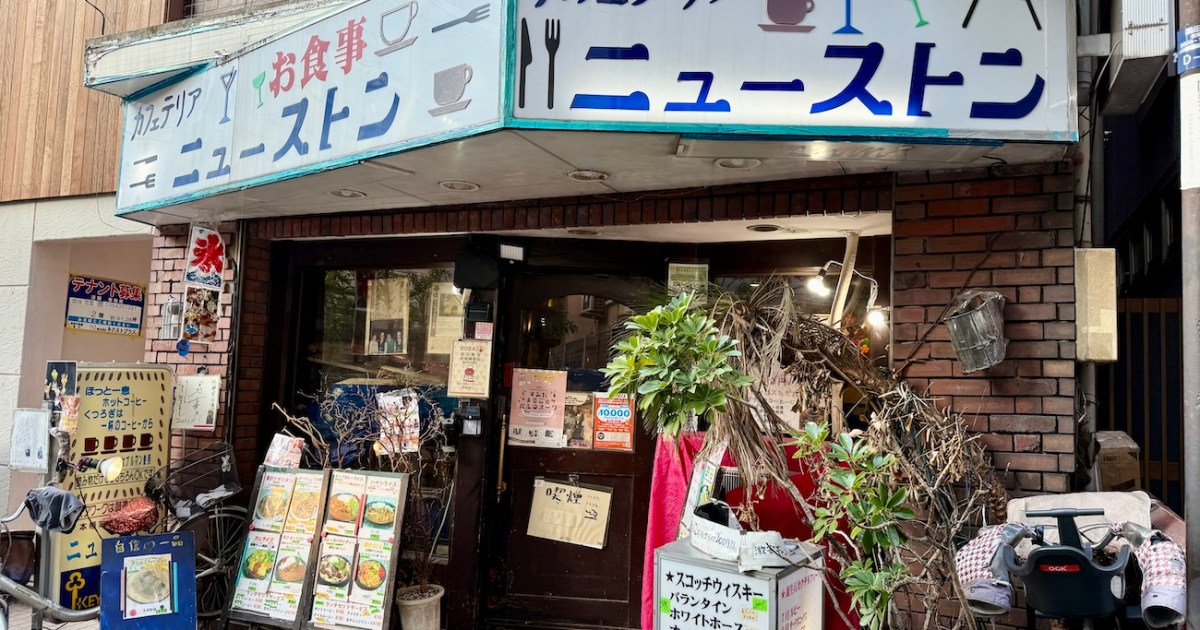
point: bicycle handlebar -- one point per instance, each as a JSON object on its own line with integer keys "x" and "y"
{"x": 41, "y": 604}
{"x": 1065, "y": 512}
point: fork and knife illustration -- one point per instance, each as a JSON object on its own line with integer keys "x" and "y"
{"x": 553, "y": 37}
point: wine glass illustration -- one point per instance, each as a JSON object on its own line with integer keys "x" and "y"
{"x": 848, "y": 28}
{"x": 920, "y": 19}
{"x": 257, "y": 82}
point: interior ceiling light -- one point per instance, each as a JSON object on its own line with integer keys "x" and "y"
{"x": 348, "y": 193}
{"x": 588, "y": 175}
{"x": 459, "y": 185}
{"x": 738, "y": 164}
{"x": 763, "y": 228}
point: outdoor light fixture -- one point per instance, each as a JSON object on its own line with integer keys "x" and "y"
{"x": 763, "y": 228}
{"x": 738, "y": 164}
{"x": 816, "y": 284}
{"x": 458, "y": 185}
{"x": 588, "y": 175}
{"x": 512, "y": 252}
{"x": 348, "y": 193}
{"x": 876, "y": 318}
{"x": 109, "y": 468}
{"x": 172, "y": 318}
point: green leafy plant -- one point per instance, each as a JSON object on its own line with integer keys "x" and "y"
{"x": 859, "y": 505}
{"x": 675, "y": 364}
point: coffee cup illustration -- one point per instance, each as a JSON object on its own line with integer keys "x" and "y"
{"x": 407, "y": 14}
{"x": 787, "y": 15}
{"x": 449, "y": 85}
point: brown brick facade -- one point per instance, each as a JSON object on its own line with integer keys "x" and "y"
{"x": 1008, "y": 228}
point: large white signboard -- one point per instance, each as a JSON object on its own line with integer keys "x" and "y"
{"x": 990, "y": 69}
{"x": 376, "y": 77}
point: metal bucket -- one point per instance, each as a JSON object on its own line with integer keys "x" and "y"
{"x": 976, "y": 326}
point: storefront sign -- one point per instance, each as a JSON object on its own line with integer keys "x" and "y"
{"x": 197, "y": 398}
{"x": 570, "y": 513}
{"x": 538, "y": 405}
{"x": 148, "y": 582}
{"x": 108, "y": 306}
{"x": 852, "y": 68}
{"x": 123, "y": 412}
{"x": 470, "y": 369}
{"x": 372, "y": 78}
{"x": 613, "y": 422}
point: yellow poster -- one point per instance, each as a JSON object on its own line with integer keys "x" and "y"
{"x": 570, "y": 513}
{"x": 123, "y": 412}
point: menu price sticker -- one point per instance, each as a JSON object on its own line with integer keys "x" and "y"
{"x": 613, "y": 422}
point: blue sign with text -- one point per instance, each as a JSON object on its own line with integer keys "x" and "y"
{"x": 148, "y": 582}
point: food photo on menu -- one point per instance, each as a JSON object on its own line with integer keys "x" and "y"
{"x": 148, "y": 586}
{"x": 254, "y": 572}
{"x": 306, "y": 501}
{"x": 344, "y": 510}
{"x": 383, "y": 494}
{"x": 274, "y": 498}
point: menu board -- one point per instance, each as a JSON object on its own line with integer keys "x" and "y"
{"x": 320, "y": 547}
{"x": 344, "y": 510}
{"x": 273, "y": 501}
{"x": 355, "y": 565}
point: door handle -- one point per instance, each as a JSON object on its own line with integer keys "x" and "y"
{"x": 500, "y": 485}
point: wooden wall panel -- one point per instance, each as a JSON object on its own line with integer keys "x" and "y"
{"x": 58, "y": 138}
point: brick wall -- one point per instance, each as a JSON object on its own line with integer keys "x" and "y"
{"x": 1014, "y": 224}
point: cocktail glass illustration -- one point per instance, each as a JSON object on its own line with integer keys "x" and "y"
{"x": 848, "y": 28}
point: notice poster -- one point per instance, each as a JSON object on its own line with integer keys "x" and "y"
{"x": 470, "y": 369}
{"x": 577, "y": 420}
{"x": 60, "y": 381}
{"x": 200, "y": 314}
{"x": 445, "y": 317}
{"x": 387, "y": 316}
{"x": 106, "y": 306}
{"x": 368, "y": 592}
{"x": 700, "y": 488}
{"x": 613, "y": 422}
{"x": 148, "y": 582}
{"x": 783, "y": 395}
{"x": 688, "y": 278}
{"x": 383, "y": 506}
{"x": 570, "y": 513}
{"x": 399, "y": 421}
{"x": 306, "y": 502}
{"x": 335, "y": 568}
{"x": 344, "y": 511}
{"x": 274, "y": 499}
{"x": 254, "y": 574}
{"x": 537, "y": 408}
{"x": 287, "y": 580}
{"x": 197, "y": 398}
{"x": 30, "y": 440}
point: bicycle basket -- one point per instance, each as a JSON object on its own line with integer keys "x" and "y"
{"x": 201, "y": 478}
{"x": 18, "y": 555}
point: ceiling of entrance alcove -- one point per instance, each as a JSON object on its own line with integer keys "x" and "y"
{"x": 535, "y": 164}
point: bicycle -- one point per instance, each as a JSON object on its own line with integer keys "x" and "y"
{"x": 187, "y": 495}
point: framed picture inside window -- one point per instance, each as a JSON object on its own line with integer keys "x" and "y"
{"x": 387, "y": 316}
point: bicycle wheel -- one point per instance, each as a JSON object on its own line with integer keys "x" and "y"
{"x": 218, "y": 535}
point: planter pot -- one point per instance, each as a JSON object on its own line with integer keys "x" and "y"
{"x": 420, "y": 607}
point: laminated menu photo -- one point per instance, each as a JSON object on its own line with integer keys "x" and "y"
{"x": 344, "y": 509}
{"x": 335, "y": 570}
{"x": 254, "y": 573}
{"x": 368, "y": 593}
{"x": 274, "y": 497}
{"x": 306, "y": 502}
{"x": 287, "y": 581}
{"x": 383, "y": 506}
{"x": 148, "y": 586}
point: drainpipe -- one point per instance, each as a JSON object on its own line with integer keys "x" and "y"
{"x": 843, "y": 285}
{"x": 1189, "y": 86}
{"x": 1084, "y": 216}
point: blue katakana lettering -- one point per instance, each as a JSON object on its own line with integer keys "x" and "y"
{"x": 376, "y": 129}
{"x": 871, "y": 56}
{"x": 1019, "y": 109}
{"x": 299, "y": 110}
{"x": 922, "y": 79}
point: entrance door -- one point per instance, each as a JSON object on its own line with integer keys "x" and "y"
{"x": 565, "y": 322}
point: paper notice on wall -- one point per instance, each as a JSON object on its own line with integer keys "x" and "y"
{"x": 196, "y": 401}
{"x": 470, "y": 369}
{"x": 577, "y": 421}
{"x": 570, "y": 513}
{"x": 537, "y": 408}
{"x": 613, "y": 418}
{"x": 1189, "y": 131}
{"x": 399, "y": 421}
{"x": 445, "y": 317}
{"x": 30, "y": 440}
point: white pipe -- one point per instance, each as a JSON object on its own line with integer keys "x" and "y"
{"x": 843, "y": 285}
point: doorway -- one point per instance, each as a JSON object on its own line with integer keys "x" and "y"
{"x": 565, "y": 322}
